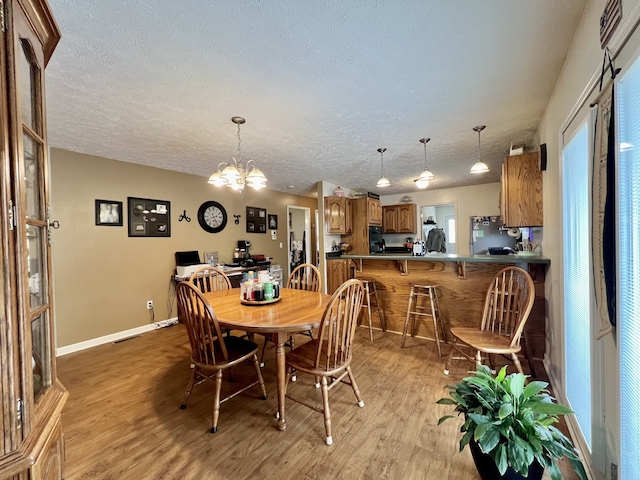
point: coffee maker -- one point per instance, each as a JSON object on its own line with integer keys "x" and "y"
{"x": 243, "y": 249}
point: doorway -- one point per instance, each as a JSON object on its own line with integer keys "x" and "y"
{"x": 444, "y": 217}
{"x": 299, "y": 240}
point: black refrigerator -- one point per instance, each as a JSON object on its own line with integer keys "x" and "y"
{"x": 486, "y": 232}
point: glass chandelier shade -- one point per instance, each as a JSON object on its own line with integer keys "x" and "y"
{"x": 479, "y": 166}
{"x": 426, "y": 176}
{"x": 235, "y": 174}
{"x": 383, "y": 182}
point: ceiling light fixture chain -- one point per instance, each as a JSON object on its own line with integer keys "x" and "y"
{"x": 426, "y": 176}
{"x": 383, "y": 182}
{"x": 236, "y": 174}
{"x": 479, "y": 166}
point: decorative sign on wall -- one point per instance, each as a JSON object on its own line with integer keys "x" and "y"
{"x": 609, "y": 21}
{"x": 273, "y": 222}
{"x": 149, "y": 218}
{"x": 256, "y": 220}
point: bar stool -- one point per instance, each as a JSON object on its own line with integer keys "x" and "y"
{"x": 429, "y": 308}
{"x": 370, "y": 286}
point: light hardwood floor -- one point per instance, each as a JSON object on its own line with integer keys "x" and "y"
{"x": 123, "y": 420}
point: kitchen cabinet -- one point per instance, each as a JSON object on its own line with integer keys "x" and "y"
{"x": 374, "y": 211}
{"x": 338, "y": 215}
{"x": 521, "y": 196}
{"x": 339, "y": 270}
{"x": 32, "y": 398}
{"x": 399, "y": 218}
{"x": 366, "y": 212}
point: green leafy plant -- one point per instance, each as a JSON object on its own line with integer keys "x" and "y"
{"x": 512, "y": 422}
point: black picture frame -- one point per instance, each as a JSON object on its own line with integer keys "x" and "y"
{"x": 256, "y": 220}
{"x": 108, "y": 213}
{"x": 149, "y": 217}
{"x": 273, "y": 222}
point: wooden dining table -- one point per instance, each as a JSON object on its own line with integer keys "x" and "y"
{"x": 297, "y": 311}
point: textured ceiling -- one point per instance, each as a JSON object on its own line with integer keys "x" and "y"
{"x": 322, "y": 84}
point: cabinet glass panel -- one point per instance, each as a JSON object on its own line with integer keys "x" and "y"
{"x": 32, "y": 176}
{"x": 28, "y": 75}
{"x": 36, "y": 265}
{"x": 39, "y": 353}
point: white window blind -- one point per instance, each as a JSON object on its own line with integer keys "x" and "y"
{"x": 577, "y": 309}
{"x": 629, "y": 267}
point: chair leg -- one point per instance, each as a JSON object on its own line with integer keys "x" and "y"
{"x": 355, "y": 387}
{"x": 383, "y": 322}
{"x": 216, "y": 402}
{"x": 367, "y": 294}
{"x": 447, "y": 367}
{"x": 406, "y": 320}
{"x": 478, "y": 357}
{"x": 260, "y": 379}
{"x": 516, "y": 362}
{"x": 326, "y": 411}
{"x": 187, "y": 393}
{"x": 435, "y": 319}
{"x": 264, "y": 348}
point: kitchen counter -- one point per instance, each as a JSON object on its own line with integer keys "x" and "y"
{"x": 462, "y": 280}
{"x": 451, "y": 257}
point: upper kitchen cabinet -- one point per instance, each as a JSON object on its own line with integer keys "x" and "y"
{"x": 399, "y": 218}
{"x": 32, "y": 397}
{"x": 521, "y": 197}
{"x": 374, "y": 209}
{"x": 338, "y": 215}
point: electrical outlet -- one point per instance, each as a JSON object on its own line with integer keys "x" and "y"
{"x": 149, "y": 304}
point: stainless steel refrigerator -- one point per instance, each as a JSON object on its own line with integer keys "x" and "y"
{"x": 486, "y": 233}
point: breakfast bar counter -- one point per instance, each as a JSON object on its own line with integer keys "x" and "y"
{"x": 463, "y": 282}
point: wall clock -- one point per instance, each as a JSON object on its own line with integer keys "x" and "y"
{"x": 212, "y": 217}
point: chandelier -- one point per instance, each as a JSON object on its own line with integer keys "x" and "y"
{"x": 479, "y": 166}
{"x": 426, "y": 176}
{"x": 235, "y": 174}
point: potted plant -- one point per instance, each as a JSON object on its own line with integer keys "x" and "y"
{"x": 510, "y": 425}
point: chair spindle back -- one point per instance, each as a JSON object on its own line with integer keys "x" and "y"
{"x": 210, "y": 279}
{"x": 305, "y": 277}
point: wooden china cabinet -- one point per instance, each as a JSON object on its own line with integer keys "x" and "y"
{"x": 31, "y": 443}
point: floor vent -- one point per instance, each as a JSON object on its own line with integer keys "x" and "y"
{"x": 115, "y": 342}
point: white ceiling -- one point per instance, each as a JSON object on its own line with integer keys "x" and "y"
{"x": 322, "y": 84}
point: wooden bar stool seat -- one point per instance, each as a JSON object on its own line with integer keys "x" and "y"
{"x": 372, "y": 302}
{"x": 423, "y": 301}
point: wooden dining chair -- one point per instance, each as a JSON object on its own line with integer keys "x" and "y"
{"x": 329, "y": 356}
{"x": 304, "y": 277}
{"x": 210, "y": 279}
{"x": 507, "y": 306}
{"x": 211, "y": 353}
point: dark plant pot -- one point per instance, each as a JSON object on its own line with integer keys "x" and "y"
{"x": 489, "y": 471}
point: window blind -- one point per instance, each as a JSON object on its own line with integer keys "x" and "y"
{"x": 577, "y": 309}
{"x": 629, "y": 267}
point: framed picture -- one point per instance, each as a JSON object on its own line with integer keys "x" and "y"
{"x": 211, "y": 258}
{"x": 256, "y": 220}
{"x": 273, "y": 222}
{"x": 109, "y": 213}
{"x": 148, "y": 217}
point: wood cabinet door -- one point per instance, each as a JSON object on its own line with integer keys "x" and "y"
{"x": 522, "y": 191}
{"x": 389, "y": 219}
{"x": 334, "y": 215}
{"x": 406, "y": 214}
{"x": 348, "y": 216}
{"x": 375, "y": 212}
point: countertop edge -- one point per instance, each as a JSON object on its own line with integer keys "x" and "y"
{"x": 454, "y": 258}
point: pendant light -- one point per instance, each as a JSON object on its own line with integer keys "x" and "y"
{"x": 383, "y": 182}
{"x": 426, "y": 176}
{"x": 235, "y": 174}
{"x": 479, "y": 166}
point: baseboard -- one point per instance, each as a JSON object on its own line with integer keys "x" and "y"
{"x": 76, "y": 347}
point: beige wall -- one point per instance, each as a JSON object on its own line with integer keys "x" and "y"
{"x": 583, "y": 60}
{"x": 103, "y": 278}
